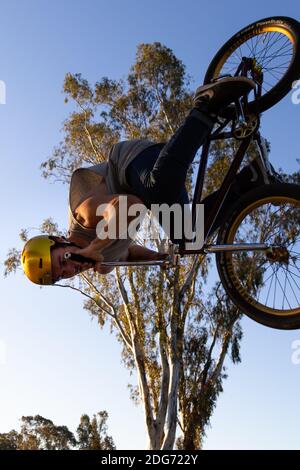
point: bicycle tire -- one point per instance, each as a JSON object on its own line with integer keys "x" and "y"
{"x": 288, "y": 26}
{"x": 224, "y": 261}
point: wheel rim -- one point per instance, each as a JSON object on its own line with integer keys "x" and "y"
{"x": 272, "y": 286}
{"x": 273, "y": 49}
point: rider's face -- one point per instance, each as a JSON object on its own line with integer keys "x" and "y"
{"x": 64, "y": 268}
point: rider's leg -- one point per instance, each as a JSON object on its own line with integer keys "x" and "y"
{"x": 168, "y": 175}
{"x": 158, "y": 174}
{"x": 175, "y": 158}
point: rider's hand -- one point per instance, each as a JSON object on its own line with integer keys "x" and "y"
{"x": 99, "y": 268}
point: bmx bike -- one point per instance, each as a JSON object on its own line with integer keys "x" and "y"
{"x": 258, "y": 244}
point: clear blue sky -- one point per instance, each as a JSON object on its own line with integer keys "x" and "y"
{"x": 58, "y": 362}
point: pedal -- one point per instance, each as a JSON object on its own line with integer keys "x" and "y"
{"x": 245, "y": 128}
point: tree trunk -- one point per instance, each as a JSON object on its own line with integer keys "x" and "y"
{"x": 169, "y": 440}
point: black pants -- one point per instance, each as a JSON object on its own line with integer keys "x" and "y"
{"x": 158, "y": 174}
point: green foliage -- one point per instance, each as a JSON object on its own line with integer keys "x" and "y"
{"x": 12, "y": 261}
{"x": 9, "y": 441}
{"x": 92, "y": 433}
{"x": 38, "y": 433}
{"x": 151, "y": 104}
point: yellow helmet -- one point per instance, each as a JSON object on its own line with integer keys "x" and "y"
{"x": 36, "y": 260}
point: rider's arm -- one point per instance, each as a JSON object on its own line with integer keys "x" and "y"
{"x": 140, "y": 253}
{"x": 135, "y": 253}
{"x": 110, "y": 223}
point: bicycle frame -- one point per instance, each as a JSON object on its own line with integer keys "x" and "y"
{"x": 225, "y": 186}
{"x": 175, "y": 252}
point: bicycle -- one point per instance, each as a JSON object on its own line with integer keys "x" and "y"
{"x": 248, "y": 267}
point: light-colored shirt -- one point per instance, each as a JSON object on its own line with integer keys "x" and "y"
{"x": 114, "y": 172}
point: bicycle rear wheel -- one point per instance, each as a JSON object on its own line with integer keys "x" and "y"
{"x": 272, "y": 48}
{"x": 265, "y": 285}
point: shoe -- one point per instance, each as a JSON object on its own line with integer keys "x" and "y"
{"x": 212, "y": 99}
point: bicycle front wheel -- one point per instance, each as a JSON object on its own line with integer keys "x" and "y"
{"x": 272, "y": 48}
{"x": 265, "y": 285}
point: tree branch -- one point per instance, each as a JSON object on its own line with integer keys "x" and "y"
{"x": 113, "y": 315}
{"x": 87, "y": 132}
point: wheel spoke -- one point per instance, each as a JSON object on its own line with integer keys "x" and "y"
{"x": 273, "y": 75}
{"x": 293, "y": 291}
{"x": 283, "y": 46}
{"x": 272, "y": 283}
{"x": 274, "y": 271}
{"x": 273, "y": 52}
{"x": 282, "y": 308}
{"x": 266, "y": 49}
{"x": 279, "y": 54}
{"x": 292, "y": 273}
{"x": 269, "y": 289}
{"x": 278, "y": 38}
{"x": 296, "y": 266}
{"x": 281, "y": 289}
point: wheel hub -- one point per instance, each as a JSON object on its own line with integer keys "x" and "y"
{"x": 278, "y": 254}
